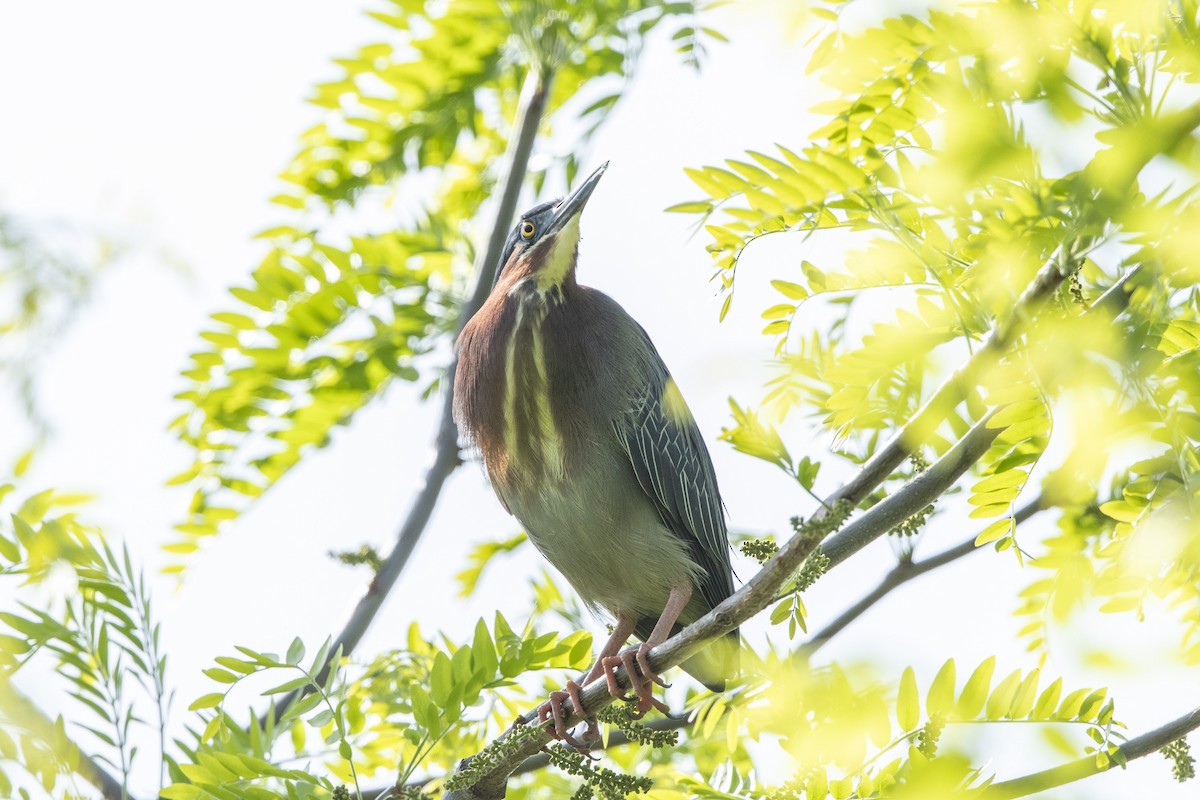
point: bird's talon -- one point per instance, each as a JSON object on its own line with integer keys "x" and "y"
{"x": 610, "y": 665}
{"x": 579, "y": 746}
{"x": 552, "y": 713}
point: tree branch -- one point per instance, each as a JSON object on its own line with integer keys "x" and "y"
{"x": 967, "y": 451}
{"x": 542, "y": 760}
{"x": 446, "y": 455}
{"x": 20, "y": 707}
{"x": 760, "y": 590}
{"x": 901, "y": 574}
{"x": 1137, "y": 747}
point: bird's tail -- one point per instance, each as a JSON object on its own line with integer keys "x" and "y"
{"x": 716, "y": 663}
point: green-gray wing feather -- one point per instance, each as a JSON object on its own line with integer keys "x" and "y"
{"x": 674, "y": 468}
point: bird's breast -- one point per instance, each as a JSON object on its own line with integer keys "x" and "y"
{"x": 540, "y": 382}
{"x": 533, "y": 439}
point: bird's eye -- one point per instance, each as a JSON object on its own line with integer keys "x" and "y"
{"x": 527, "y": 229}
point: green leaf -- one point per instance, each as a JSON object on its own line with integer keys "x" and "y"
{"x": 1121, "y": 511}
{"x": 23, "y": 462}
{"x": 236, "y": 664}
{"x": 440, "y": 680}
{"x": 295, "y": 653}
{"x": 1091, "y": 705}
{"x": 211, "y": 700}
{"x": 1024, "y": 697}
{"x": 9, "y": 550}
{"x": 908, "y": 702}
{"x": 997, "y": 530}
{"x": 792, "y": 291}
{"x": 1001, "y": 699}
{"x": 1046, "y": 703}
{"x": 940, "y": 699}
{"x": 221, "y": 675}
{"x": 696, "y": 207}
{"x": 1071, "y": 704}
{"x": 975, "y": 693}
{"x": 483, "y": 651}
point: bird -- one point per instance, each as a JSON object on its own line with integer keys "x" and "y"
{"x": 586, "y": 439}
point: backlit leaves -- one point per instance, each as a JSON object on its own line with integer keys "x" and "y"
{"x": 101, "y": 634}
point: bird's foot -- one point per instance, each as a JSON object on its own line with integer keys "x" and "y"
{"x": 552, "y": 711}
{"x": 636, "y": 662}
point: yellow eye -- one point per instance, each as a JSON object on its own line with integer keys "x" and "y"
{"x": 527, "y": 229}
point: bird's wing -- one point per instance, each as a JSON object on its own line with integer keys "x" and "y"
{"x": 673, "y": 467}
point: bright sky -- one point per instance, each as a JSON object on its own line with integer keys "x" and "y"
{"x": 165, "y": 127}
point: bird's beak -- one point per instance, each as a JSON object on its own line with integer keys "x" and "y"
{"x": 573, "y": 205}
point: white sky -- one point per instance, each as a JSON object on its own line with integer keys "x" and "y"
{"x": 165, "y": 125}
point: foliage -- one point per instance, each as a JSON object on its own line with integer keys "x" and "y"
{"x": 988, "y": 283}
{"x": 100, "y": 632}
{"x": 415, "y": 708}
{"x": 853, "y": 741}
{"x": 970, "y": 238}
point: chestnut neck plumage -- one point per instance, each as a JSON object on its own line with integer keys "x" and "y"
{"x": 511, "y": 414}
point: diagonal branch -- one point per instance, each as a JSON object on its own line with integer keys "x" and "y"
{"x": 446, "y": 455}
{"x": 901, "y": 574}
{"x": 953, "y": 390}
{"x": 1144, "y": 745}
{"x": 542, "y": 760}
{"x": 513, "y": 747}
{"x": 974, "y": 443}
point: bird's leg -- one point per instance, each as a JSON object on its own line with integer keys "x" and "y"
{"x": 552, "y": 708}
{"x": 641, "y": 676}
{"x": 622, "y": 630}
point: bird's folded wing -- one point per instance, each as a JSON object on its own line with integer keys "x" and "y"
{"x": 673, "y": 467}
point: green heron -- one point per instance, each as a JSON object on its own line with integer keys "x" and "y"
{"x": 588, "y": 442}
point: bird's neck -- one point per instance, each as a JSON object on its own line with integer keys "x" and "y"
{"x": 532, "y": 294}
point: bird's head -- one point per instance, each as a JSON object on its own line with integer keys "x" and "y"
{"x": 544, "y": 244}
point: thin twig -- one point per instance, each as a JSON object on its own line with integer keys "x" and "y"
{"x": 901, "y": 574}
{"x": 1137, "y": 747}
{"x": 446, "y": 454}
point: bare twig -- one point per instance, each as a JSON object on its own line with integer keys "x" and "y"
{"x": 446, "y": 455}
{"x": 1137, "y": 747}
{"x": 30, "y": 716}
{"x": 901, "y": 574}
